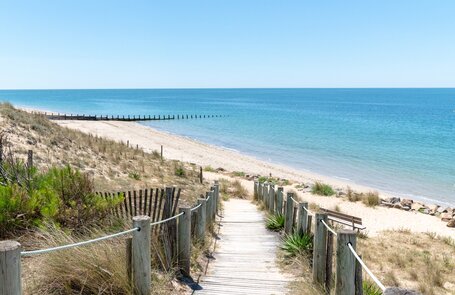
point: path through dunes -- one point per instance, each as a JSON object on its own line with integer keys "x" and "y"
{"x": 244, "y": 259}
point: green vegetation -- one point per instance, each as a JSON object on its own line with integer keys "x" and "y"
{"x": 180, "y": 171}
{"x": 370, "y": 288}
{"x": 371, "y": 199}
{"x": 209, "y": 169}
{"x": 297, "y": 244}
{"x": 61, "y": 195}
{"x": 238, "y": 173}
{"x": 322, "y": 189}
{"x": 275, "y": 222}
{"x": 134, "y": 175}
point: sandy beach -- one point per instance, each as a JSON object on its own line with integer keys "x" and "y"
{"x": 184, "y": 149}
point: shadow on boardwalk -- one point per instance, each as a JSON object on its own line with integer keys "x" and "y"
{"x": 245, "y": 255}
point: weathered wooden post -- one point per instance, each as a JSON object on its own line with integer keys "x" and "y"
{"x": 260, "y": 188}
{"x": 358, "y": 277}
{"x": 141, "y": 257}
{"x": 184, "y": 241}
{"x": 279, "y": 201}
{"x": 10, "y": 268}
{"x": 288, "y": 214}
{"x": 320, "y": 249}
{"x": 29, "y": 159}
{"x": 255, "y": 194}
{"x": 217, "y": 196}
{"x": 266, "y": 195}
{"x": 310, "y": 218}
{"x": 272, "y": 198}
{"x": 345, "y": 268}
{"x": 161, "y": 153}
{"x": 329, "y": 262}
{"x": 208, "y": 211}
{"x": 200, "y": 175}
{"x": 302, "y": 220}
{"x": 201, "y": 220}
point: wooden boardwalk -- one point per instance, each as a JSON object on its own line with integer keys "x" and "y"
{"x": 244, "y": 260}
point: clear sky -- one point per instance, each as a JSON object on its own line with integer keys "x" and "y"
{"x": 226, "y": 43}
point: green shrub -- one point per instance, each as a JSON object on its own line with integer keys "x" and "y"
{"x": 134, "y": 175}
{"x": 238, "y": 173}
{"x": 179, "y": 171}
{"x": 275, "y": 222}
{"x": 209, "y": 169}
{"x": 322, "y": 189}
{"x": 370, "y": 288}
{"x": 371, "y": 199}
{"x": 61, "y": 195}
{"x": 297, "y": 244}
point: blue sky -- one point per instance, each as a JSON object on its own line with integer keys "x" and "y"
{"x": 226, "y": 43}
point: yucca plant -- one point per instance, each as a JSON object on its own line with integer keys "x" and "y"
{"x": 296, "y": 244}
{"x": 370, "y": 288}
{"x": 275, "y": 222}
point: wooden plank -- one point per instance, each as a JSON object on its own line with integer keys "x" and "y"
{"x": 320, "y": 249}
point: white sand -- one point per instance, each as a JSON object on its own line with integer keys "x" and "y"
{"x": 184, "y": 149}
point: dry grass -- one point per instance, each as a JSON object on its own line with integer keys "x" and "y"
{"x": 232, "y": 189}
{"x": 113, "y": 165}
{"x": 98, "y": 268}
{"x": 371, "y": 199}
{"x": 422, "y": 262}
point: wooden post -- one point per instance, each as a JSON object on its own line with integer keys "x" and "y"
{"x": 272, "y": 199}
{"x": 200, "y": 175}
{"x": 184, "y": 241}
{"x": 260, "y": 187}
{"x": 201, "y": 220}
{"x": 320, "y": 249}
{"x": 288, "y": 214}
{"x": 255, "y": 195}
{"x": 29, "y": 159}
{"x": 279, "y": 201}
{"x": 345, "y": 269}
{"x": 141, "y": 260}
{"x": 302, "y": 220}
{"x": 328, "y": 268}
{"x": 208, "y": 209}
{"x": 265, "y": 193}
{"x": 161, "y": 153}
{"x": 310, "y": 218}
{"x": 10, "y": 268}
{"x": 217, "y": 196}
{"x": 358, "y": 278}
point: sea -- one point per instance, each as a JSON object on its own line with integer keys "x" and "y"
{"x": 400, "y": 141}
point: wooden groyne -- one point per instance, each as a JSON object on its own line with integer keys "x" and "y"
{"x": 53, "y": 116}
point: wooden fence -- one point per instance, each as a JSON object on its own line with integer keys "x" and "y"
{"x": 347, "y": 278}
{"x": 128, "y": 118}
{"x": 138, "y": 250}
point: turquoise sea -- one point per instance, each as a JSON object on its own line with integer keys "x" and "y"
{"x": 397, "y": 140}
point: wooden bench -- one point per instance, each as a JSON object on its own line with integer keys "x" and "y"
{"x": 355, "y": 222}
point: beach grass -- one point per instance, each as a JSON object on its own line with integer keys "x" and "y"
{"x": 322, "y": 189}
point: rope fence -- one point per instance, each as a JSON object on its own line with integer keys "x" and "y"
{"x": 375, "y": 279}
{"x": 195, "y": 208}
{"x": 44, "y": 251}
{"x": 329, "y": 228}
{"x": 328, "y": 242}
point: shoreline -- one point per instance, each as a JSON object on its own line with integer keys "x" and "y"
{"x": 376, "y": 219}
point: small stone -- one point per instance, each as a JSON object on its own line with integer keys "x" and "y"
{"x": 399, "y": 291}
{"x": 406, "y": 208}
{"x": 406, "y": 202}
{"x": 393, "y": 200}
{"x": 451, "y": 223}
{"x": 446, "y": 216}
{"x": 443, "y": 209}
{"x": 449, "y": 286}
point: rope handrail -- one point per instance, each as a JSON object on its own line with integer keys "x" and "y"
{"x": 167, "y": 219}
{"x": 208, "y": 198}
{"x": 195, "y": 208}
{"x": 48, "y": 250}
{"x": 294, "y": 200}
{"x": 329, "y": 228}
{"x": 375, "y": 279}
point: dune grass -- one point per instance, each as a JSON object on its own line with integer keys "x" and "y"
{"x": 322, "y": 189}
